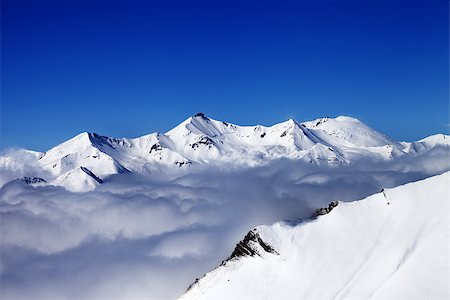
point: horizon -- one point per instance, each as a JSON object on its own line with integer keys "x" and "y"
{"x": 126, "y": 69}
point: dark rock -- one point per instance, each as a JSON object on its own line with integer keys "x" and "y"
{"x": 204, "y": 140}
{"x": 192, "y": 284}
{"x": 246, "y": 246}
{"x": 156, "y": 147}
{"x": 326, "y": 210}
{"x": 321, "y": 121}
{"x": 202, "y": 115}
{"x": 89, "y": 172}
{"x": 182, "y": 163}
{"x": 321, "y": 211}
{"x": 32, "y": 180}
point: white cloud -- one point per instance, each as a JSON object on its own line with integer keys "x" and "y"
{"x": 149, "y": 238}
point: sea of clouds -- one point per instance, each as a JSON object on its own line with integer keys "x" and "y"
{"x": 138, "y": 237}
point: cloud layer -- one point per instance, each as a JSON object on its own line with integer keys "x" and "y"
{"x": 149, "y": 238}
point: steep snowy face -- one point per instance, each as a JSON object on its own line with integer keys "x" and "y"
{"x": 392, "y": 245}
{"x": 87, "y": 150}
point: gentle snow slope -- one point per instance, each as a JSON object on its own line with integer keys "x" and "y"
{"x": 391, "y": 245}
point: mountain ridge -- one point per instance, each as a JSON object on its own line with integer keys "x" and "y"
{"x": 202, "y": 141}
{"x": 386, "y": 246}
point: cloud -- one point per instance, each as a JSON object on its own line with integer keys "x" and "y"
{"x": 150, "y": 237}
{"x": 16, "y": 163}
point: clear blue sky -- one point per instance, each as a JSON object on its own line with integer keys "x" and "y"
{"x": 128, "y": 68}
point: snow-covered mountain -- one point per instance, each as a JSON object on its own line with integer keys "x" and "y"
{"x": 84, "y": 161}
{"x": 391, "y": 245}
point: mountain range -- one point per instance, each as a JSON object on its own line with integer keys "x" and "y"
{"x": 86, "y": 160}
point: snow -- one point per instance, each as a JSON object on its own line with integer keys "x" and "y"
{"x": 427, "y": 143}
{"x": 391, "y": 245}
{"x": 77, "y": 180}
{"x": 200, "y": 141}
{"x": 347, "y": 131}
{"x": 82, "y": 150}
{"x": 436, "y": 139}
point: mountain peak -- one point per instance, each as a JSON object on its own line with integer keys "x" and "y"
{"x": 198, "y": 124}
{"x": 347, "y": 119}
{"x": 78, "y": 141}
{"x": 291, "y": 121}
{"x": 200, "y": 114}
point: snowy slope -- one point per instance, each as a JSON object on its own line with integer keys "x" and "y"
{"x": 392, "y": 245}
{"x": 86, "y": 150}
{"x": 353, "y": 137}
{"x": 427, "y": 143}
{"x": 201, "y": 141}
{"x": 347, "y": 131}
{"x": 205, "y": 140}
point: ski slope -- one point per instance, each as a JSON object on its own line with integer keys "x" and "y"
{"x": 391, "y": 245}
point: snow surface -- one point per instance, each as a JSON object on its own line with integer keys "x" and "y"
{"x": 201, "y": 141}
{"x": 391, "y": 245}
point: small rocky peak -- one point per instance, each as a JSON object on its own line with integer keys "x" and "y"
{"x": 326, "y": 210}
{"x": 201, "y": 115}
{"x": 250, "y": 245}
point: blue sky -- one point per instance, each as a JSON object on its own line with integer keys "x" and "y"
{"x": 128, "y": 68}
